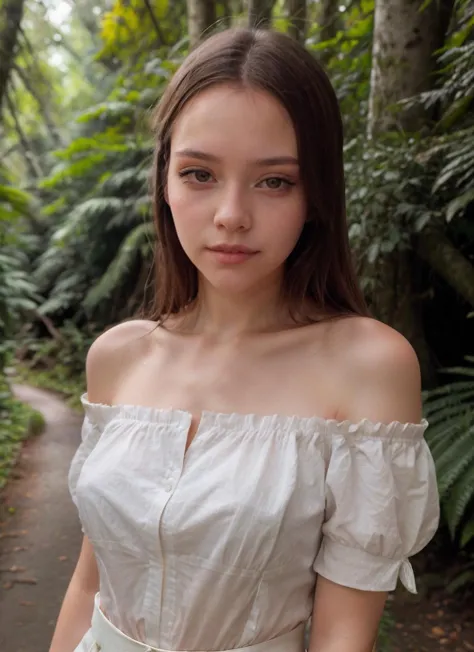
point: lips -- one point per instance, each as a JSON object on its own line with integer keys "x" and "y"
{"x": 232, "y": 249}
{"x": 225, "y": 254}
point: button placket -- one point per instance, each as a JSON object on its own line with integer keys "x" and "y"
{"x": 173, "y": 472}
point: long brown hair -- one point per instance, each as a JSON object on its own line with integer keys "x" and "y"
{"x": 320, "y": 267}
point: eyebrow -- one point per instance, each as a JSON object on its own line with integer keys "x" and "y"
{"x": 274, "y": 160}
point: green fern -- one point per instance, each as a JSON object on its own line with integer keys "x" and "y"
{"x": 95, "y": 208}
{"x": 18, "y": 292}
{"x": 136, "y": 243}
{"x": 450, "y": 411}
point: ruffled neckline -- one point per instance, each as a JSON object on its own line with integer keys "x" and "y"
{"x": 102, "y": 413}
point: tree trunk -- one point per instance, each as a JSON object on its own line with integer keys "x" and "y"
{"x": 43, "y": 107}
{"x": 201, "y": 18}
{"x": 440, "y": 253}
{"x": 297, "y": 19}
{"x": 260, "y": 13}
{"x": 402, "y": 61}
{"x": 328, "y": 19}
{"x": 10, "y": 17}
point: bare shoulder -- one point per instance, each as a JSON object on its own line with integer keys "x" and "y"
{"x": 373, "y": 347}
{"x": 111, "y": 355}
{"x": 382, "y": 380}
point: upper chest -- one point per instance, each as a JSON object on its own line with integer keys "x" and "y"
{"x": 280, "y": 375}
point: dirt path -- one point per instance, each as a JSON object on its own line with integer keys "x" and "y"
{"x": 39, "y": 542}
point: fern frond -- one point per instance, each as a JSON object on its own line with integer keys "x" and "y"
{"x": 52, "y": 262}
{"x": 458, "y": 457}
{"x": 450, "y": 412}
{"x": 125, "y": 181}
{"x": 108, "y": 111}
{"x": 441, "y": 416}
{"x": 459, "y": 499}
{"x": 95, "y": 208}
{"x": 67, "y": 171}
{"x": 136, "y": 243}
{"x": 453, "y": 452}
{"x": 18, "y": 200}
{"x": 449, "y": 394}
{"x": 444, "y": 436}
{"x": 57, "y": 303}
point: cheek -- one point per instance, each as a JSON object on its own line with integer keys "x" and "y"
{"x": 184, "y": 211}
{"x": 286, "y": 226}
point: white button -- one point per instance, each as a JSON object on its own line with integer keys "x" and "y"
{"x": 168, "y": 487}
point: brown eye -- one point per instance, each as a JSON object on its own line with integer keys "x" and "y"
{"x": 274, "y": 183}
{"x": 277, "y": 183}
{"x": 200, "y": 176}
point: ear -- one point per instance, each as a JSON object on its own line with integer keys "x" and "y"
{"x": 165, "y": 194}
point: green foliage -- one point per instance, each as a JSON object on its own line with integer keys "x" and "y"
{"x": 420, "y": 180}
{"x": 348, "y": 59}
{"x": 57, "y": 363}
{"x": 454, "y": 132}
{"x": 17, "y": 421}
{"x": 17, "y": 291}
{"x": 131, "y": 29}
{"x": 387, "y": 178}
{"x": 70, "y": 346}
{"x": 450, "y": 411}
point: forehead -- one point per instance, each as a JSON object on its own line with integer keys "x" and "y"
{"x": 234, "y": 121}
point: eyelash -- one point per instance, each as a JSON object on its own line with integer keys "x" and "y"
{"x": 187, "y": 173}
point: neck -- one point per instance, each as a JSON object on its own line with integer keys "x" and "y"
{"x": 225, "y": 316}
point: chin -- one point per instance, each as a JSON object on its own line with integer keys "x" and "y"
{"x": 234, "y": 281}
{"x": 231, "y": 286}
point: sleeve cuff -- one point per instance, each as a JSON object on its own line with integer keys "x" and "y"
{"x": 358, "y": 569}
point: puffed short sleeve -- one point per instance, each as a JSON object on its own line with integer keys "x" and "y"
{"x": 382, "y": 504}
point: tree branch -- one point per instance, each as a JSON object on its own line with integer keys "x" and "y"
{"x": 156, "y": 25}
{"x": 30, "y": 159}
{"x": 440, "y": 253}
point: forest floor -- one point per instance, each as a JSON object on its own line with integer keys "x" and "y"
{"x": 40, "y": 539}
{"x": 434, "y": 621}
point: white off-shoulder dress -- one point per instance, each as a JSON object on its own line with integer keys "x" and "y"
{"x": 218, "y": 547}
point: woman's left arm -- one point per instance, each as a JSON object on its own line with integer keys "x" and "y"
{"x": 345, "y": 619}
{"x": 370, "y": 498}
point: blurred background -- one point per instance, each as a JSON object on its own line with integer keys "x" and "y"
{"x": 78, "y": 80}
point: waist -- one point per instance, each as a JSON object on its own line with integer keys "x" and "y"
{"x": 110, "y": 639}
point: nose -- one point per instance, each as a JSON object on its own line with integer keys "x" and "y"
{"x": 233, "y": 211}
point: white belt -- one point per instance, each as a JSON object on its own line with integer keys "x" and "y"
{"x": 110, "y": 639}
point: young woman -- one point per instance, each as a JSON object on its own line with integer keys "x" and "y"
{"x": 260, "y": 431}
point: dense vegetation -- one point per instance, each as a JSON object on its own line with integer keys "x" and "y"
{"x": 77, "y": 82}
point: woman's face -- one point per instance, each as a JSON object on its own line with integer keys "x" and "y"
{"x": 234, "y": 187}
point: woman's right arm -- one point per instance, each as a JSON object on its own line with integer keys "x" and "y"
{"x": 76, "y": 612}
